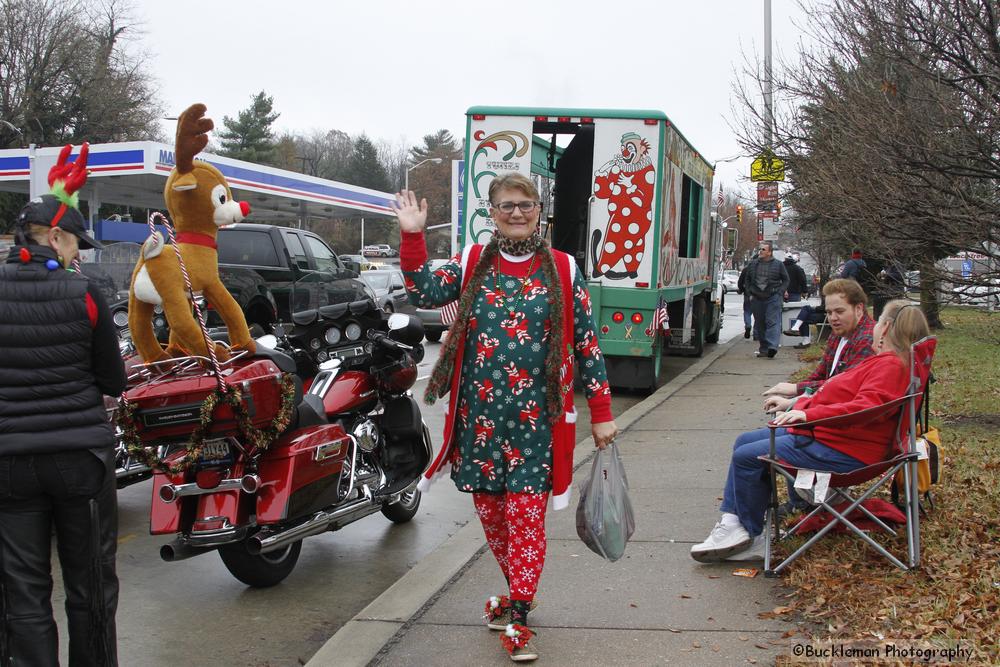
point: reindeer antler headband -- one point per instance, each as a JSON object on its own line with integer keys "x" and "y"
{"x": 66, "y": 178}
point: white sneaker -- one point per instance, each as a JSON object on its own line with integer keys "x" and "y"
{"x": 754, "y": 552}
{"x": 723, "y": 541}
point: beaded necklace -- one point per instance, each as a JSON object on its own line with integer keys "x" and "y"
{"x": 503, "y": 300}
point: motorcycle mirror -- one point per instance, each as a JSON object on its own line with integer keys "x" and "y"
{"x": 268, "y": 340}
{"x": 398, "y": 321}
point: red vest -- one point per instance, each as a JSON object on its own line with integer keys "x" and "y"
{"x": 564, "y": 430}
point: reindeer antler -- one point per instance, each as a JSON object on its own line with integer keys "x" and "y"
{"x": 65, "y": 178}
{"x": 192, "y": 136}
{"x": 72, "y": 174}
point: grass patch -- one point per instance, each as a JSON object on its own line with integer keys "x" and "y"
{"x": 843, "y": 590}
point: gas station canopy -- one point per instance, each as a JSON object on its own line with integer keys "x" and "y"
{"x": 133, "y": 174}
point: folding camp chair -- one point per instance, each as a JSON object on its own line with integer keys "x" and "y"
{"x": 905, "y": 457}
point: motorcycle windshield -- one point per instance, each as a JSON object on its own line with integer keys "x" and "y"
{"x": 111, "y": 269}
{"x": 328, "y": 295}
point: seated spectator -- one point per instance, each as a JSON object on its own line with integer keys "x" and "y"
{"x": 877, "y": 380}
{"x": 800, "y": 325}
{"x": 849, "y": 344}
{"x": 850, "y": 341}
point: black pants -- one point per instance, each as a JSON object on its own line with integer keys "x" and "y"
{"x": 71, "y": 491}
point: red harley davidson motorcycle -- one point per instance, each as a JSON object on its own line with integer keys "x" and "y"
{"x": 354, "y": 444}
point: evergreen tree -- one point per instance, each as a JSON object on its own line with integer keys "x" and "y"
{"x": 248, "y": 136}
{"x": 441, "y": 144}
{"x": 364, "y": 168}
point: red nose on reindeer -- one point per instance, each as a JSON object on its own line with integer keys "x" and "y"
{"x": 244, "y": 208}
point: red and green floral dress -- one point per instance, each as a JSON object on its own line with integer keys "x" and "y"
{"x": 502, "y": 434}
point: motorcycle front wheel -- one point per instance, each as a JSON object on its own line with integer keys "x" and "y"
{"x": 403, "y": 509}
{"x": 263, "y": 570}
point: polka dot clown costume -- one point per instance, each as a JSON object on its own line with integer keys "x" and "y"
{"x": 627, "y": 183}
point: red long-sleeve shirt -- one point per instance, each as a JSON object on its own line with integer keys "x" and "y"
{"x": 874, "y": 381}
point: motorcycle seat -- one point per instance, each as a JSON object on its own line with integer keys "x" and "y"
{"x": 284, "y": 362}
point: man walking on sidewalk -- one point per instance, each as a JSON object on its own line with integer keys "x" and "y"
{"x": 767, "y": 281}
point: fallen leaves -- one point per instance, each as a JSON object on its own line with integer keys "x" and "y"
{"x": 854, "y": 592}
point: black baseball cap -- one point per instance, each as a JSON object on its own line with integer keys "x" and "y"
{"x": 43, "y": 210}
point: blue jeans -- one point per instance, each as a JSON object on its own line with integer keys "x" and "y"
{"x": 767, "y": 322}
{"x": 748, "y": 491}
{"x": 809, "y": 315}
{"x": 747, "y": 322}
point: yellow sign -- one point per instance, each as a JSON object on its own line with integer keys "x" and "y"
{"x": 767, "y": 168}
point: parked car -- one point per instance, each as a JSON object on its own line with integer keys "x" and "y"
{"x": 987, "y": 293}
{"x": 729, "y": 279}
{"x": 431, "y": 317}
{"x": 379, "y": 250}
{"x": 390, "y": 290}
{"x": 356, "y": 263}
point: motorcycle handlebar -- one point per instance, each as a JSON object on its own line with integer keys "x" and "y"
{"x": 382, "y": 338}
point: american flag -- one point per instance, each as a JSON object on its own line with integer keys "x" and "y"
{"x": 660, "y": 318}
{"x": 719, "y": 199}
{"x": 449, "y": 313}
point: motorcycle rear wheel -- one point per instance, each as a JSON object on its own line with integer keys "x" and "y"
{"x": 404, "y": 509}
{"x": 260, "y": 571}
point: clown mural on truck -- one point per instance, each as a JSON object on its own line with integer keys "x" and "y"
{"x": 626, "y": 195}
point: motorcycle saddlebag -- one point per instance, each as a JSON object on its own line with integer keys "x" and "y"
{"x": 302, "y": 473}
{"x": 170, "y": 407}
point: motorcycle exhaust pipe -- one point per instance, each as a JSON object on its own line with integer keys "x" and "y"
{"x": 263, "y": 542}
{"x": 177, "y": 550}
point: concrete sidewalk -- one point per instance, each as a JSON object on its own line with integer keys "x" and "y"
{"x": 656, "y": 605}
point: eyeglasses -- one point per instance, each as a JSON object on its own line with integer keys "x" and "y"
{"x": 507, "y": 207}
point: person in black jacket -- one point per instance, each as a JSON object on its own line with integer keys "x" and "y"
{"x": 767, "y": 282}
{"x": 58, "y": 356}
{"x": 796, "y": 279}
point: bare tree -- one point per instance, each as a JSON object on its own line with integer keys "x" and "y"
{"x": 888, "y": 127}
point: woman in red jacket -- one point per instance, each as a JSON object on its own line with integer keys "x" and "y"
{"x": 879, "y": 379}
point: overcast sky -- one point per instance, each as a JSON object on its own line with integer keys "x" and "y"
{"x": 406, "y": 68}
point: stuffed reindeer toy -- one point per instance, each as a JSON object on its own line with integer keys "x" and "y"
{"x": 199, "y": 201}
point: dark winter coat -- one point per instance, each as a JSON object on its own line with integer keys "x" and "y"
{"x": 796, "y": 277}
{"x": 58, "y": 355}
{"x": 771, "y": 275}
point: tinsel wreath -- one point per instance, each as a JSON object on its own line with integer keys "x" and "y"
{"x": 256, "y": 439}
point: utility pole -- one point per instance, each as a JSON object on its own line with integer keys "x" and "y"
{"x": 768, "y": 80}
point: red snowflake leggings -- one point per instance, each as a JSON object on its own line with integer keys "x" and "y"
{"x": 514, "y": 524}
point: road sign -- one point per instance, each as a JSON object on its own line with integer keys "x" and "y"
{"x": 767, "y": 225}
{"x": 767, "y": 168}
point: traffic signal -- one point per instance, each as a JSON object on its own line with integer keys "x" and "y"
{"x": 739, "y": 214}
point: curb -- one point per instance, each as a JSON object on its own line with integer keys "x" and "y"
{"x": 361, "y": 639}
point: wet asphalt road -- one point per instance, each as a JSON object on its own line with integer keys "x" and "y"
{"x": 193, "y": 612}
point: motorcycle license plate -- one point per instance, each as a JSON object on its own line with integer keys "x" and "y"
{"x": 215, "y": 452}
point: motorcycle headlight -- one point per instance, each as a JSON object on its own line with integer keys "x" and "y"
{"x": 332, "y": 336}
{"x": 353, "y": 331}
{"x": 120, "y": 318}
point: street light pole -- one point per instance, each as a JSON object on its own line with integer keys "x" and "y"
{"x": 406, "y": 178}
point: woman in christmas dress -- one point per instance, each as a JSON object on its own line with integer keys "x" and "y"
{"x": 523, "y": 316}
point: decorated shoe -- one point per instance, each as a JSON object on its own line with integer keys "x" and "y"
{"x": 516, "y": 640}
{"x": 497, "y": 613}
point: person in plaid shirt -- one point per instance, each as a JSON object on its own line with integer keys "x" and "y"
{"x": 848, "y": 345}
